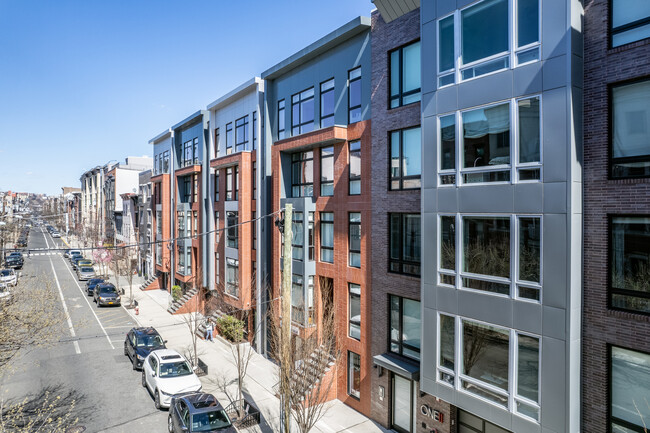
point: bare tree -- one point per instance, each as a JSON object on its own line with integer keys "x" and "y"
{"x": 131, "y": 267}
{"x": 193, "y": 321}
{"x": 118, "y": 265}
{"x": 312, "y": 356}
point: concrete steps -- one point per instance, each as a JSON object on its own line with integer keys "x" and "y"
{"x": 147, "y": 283}
{"x": 176, "y": 305}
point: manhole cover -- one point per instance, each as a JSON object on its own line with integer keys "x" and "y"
{"x": 76, "y": 429}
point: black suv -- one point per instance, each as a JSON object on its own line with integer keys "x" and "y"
{"x": 197, "y": 412}
{"x": 140, "y": 342}
{"x": 90, "y": 285}
{"x": 106, "y": 294}
{"x": 15, "y": 260}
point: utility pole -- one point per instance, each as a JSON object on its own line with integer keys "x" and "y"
{"x": 285, "y": 364}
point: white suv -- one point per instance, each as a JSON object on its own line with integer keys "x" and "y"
{"x": 165, "y": 373}
{"x": 9, "y": 277}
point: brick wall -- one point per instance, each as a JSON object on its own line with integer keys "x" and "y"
{"x": 602, "y": 326}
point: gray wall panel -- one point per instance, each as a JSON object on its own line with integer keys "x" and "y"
{"x": 554, "y": 258}
{"x": 554, "y": 72}
{"x": 554, "y": 135}
{"x": 528, "y": 79}
{"x": 555, "y": 197}
{"x": 486, "y": 90}
{"x": 553, "y": 391}
{"x": 528, "y": 197}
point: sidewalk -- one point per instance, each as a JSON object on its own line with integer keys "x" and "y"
{"x": 221, "y": 380}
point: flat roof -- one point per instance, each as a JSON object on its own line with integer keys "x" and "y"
{"x": 166, "y": 133}
{"x": 190, "y": 119}
{"x": 236, "y": 93}
{"x": 322, "y": 45}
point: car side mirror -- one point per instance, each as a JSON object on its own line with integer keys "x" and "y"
{"x": 153, "y": 373}
{"x": 164, "y": 341}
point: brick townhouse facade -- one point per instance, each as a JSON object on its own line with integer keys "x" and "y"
{"x": 616, "y": 315}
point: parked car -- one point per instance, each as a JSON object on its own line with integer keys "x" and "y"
{"x": 197, "y": 412}
{"x": 75, "y": 254}
{"x": 106, "y": 294}
{"x": 140, "y": 342}
{"x": 9, "y": 277}
{"x": 75, "y": 261}
{"x": 69, "y": 252}
{"x": 15, "y": 260}
{"x": 165, "y": 373}
{"x": 56, "y": 234}
{"x": 84, "y": 262}
{"x": 90, "y": 285}
{"x": 85, "y": 272}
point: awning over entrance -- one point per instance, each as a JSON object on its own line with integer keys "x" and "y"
{"x": 398, "y": 365}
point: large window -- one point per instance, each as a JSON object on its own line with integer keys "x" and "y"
{"x": 302, "y": 112}
{"x": 232, "y": 183}
{"x": 230, "y": 139}
{"x": 281, "y": 119}
{"x": 298, "y": 234}
{"x": 190, "y": 152}
{"x": 405, "y": 158}
{"x": 487, "y": 360}
{"x": 405, "y": 327}
{"x": 254, "y": 130}
{"x": 354, "y": 375}
{"x": 186, "y": 189}
{"x": 629, "y": 382}
{"x": 297, "y": 299}
{"x": 217, "y": 142}
{"x": 327, "y": 237}
{"x": 355, "y": 168}
{"x": 404, "y": 243}
{"x": 354, "y": 241}
{"x": 310, "y": 236}
{"x": 630, "y": 21}
{"x": 161, "y": 164}
{"x": 354, "y": 95}
{"x": 232, "y": 235}
{"x": 354, "y": 311}
{"x": 232, "y": 277}
{"x": 327, "y": 103}
{"x": 507, "y": 46}
{"x": 405, "y": 75}
{"x": 216, "y": 185}
{"x": 327, "y": 171}
{"x": 630, "y": 263}
{"x": 630, "y": 130}
{"x": 241, "y": 134}
{"x": 486, "y": 255}
{"x": 481, "y": 138}
{"x": 302, "y": 174}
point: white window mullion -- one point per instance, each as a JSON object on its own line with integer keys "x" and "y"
{"x": 514, "y": 140}
{"x": 458, "y": 355}
{"x": 459, "y": 146}
{"x": 459, "y": 250}
{"x": 512, "y": 370}
{"x": 514, "y": 255}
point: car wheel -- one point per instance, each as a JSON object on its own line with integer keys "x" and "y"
{"x": 135, "y": 362}
{"x": 125, "y": 352}
{"x": 156, "y": 399}
{"x": 144, "y": 382}
{"x": 170, "y": 424}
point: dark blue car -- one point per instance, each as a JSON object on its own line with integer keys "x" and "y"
{"x": 90, "y": 285}
{"x": 140, "y": 342}
{"x": 197, "y": 412}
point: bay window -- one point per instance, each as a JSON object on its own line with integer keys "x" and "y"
{"x": 478, "y": 55}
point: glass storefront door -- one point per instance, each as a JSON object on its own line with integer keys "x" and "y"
{"x": 402, "y": 404}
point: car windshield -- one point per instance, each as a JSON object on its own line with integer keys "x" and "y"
{"x": 107, "y": 289}
{"x": 175, "y": 369}
{"x": 208, "y": 421}
{"x": 150, "y": 341}
{"x": 5, "y": 272}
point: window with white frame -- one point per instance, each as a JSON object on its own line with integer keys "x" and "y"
{"x": 478, "y": 145}
{"x": 465, "y": 53}
{"x": 496, "y": 364}
{"x": 498, "y": 254}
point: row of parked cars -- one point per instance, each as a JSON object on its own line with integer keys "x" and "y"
{"x": 169, "y": 377}
{"x": 22, "y": 239}
{"x": 53, "y": 231}
{"x": 81, "y": 265}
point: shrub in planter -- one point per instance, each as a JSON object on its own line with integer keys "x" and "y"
{"x": 231, "y": 328}
{"x": 176, "y": 293}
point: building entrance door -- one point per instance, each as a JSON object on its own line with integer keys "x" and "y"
{"x": 402, "y": 404}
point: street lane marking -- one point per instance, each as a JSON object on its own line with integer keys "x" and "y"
{"x": 92, "y": 310}
{"x": 65, "y": 309}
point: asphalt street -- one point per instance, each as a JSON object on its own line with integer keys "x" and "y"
{"x": 88, "y": 358}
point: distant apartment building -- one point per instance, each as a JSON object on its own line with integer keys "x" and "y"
{"x": 162, "y": 209}
{"x": 318, "y": 119}
{"x": 236, "y": 157}
{"x": 616, "y": 316}
{"x": 145, "y": 225}
{"x": 92, "y": 203}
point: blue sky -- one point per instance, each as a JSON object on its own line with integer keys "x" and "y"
{"x": 84, "y": 82}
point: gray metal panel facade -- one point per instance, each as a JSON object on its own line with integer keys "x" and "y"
{"x": 556, "y": 197}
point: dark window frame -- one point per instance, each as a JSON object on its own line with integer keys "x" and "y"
{"x": 610, "y": 255}
{"x": 350, "y": 81}
{"x": 611, "y": 31}
{"x": 300, "y": 121}
{"x": 254, "y": 130}
{"x": 282, "y": 119}
{"x": 401, "y": 343}
{"x": 321, "y": 94}
{"x": 241, "y": 133}
{"x": 230, "y": 138}
{"x": 610, "y": 131}
{"x": 325, "y": 158}
{"x": 217, "y": 142}
{"x": 302, "y": 161}
{"x": 351, "y": 178}
{"x": 401, "y": 94}
{"x": 347, "y": 370}
{"x": 350, "y": 250}
{"x": 216, "y": 186}
{"x": 401, "y": 178}
{"x": 609, "y": 389}
{"x": 232, "y": 230}
{"x": 401, "y": 262}
{"x": 320, "y": 236}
